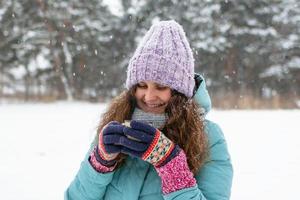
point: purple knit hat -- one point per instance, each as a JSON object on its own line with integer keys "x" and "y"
{"x": 163, "y": 56}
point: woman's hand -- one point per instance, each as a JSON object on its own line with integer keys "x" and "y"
{"x": 148, "y": 143}
{"x": 107, "y": 151}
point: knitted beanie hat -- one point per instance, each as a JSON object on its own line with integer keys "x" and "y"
{"x": 165, "y": 57}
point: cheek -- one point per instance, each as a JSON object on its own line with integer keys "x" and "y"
{"x": 166, "y": 96}
{"x": 138, "y": 94}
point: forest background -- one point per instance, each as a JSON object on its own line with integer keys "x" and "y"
{"x": 248, "y": 51}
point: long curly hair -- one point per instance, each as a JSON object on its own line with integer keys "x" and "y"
{"x": 184, "y": 125}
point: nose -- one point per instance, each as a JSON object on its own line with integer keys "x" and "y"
{"x": 150, "y": 95}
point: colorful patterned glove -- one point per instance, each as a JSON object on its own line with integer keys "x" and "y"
{"x": 169, "y": 160}
{"x": 106, "y": 150}
{"x": 148, "y": 143}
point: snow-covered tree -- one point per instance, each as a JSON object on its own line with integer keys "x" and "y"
{"x": 75, "y": 49}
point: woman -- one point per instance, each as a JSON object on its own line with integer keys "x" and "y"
{"x": 154, "y": 141}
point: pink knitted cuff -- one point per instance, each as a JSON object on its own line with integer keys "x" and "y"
{"x": 98, "y": 166}
{"x": 176, "y": 175}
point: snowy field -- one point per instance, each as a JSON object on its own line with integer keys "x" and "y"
{"x": 42, "y": 145}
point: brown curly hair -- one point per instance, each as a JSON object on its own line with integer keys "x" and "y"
{"x": 183, "y": 126}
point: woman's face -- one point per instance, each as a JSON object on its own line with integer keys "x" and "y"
{"x": 152, "y": 97}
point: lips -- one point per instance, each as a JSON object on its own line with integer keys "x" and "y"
{"x": 154, "y": 105}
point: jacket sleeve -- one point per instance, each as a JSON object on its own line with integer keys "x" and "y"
{"x": 214, "y": 179}
{"x": 88, "y": 184}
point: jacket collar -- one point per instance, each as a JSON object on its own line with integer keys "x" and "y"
{"x": 201, "y": 94}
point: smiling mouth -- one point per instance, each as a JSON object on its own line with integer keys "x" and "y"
{"x": 154, "y": 105}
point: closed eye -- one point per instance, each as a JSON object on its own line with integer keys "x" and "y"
{"x": 142, "y": 85}
{"x": 161, "y": 87}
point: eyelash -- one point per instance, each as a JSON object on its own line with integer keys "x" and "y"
{"x": 141, "y": 86}
{"x": 161, "y": 87}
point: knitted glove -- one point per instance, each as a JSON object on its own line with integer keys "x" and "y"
{"x": 170, "y": 162}
{"x": 148, "y": 143}
{"x": 106, "y": 150}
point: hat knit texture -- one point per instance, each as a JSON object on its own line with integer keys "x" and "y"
{"x": 165, "y": 57}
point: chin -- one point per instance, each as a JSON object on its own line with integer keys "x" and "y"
{"x": 153, "y": 110}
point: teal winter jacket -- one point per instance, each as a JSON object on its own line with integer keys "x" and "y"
{"x": 138, "y": 180}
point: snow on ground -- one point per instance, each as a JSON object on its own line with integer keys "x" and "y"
{"x": 42, "y": 145}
